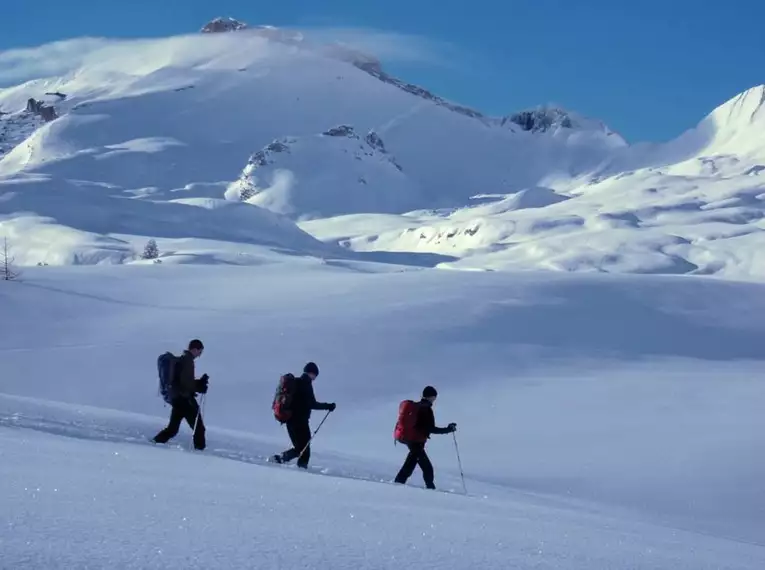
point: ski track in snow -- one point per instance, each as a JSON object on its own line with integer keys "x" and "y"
{"x": 111, "y": 426}
{"x": 115, "y": 427}
{"x": 127, "y": 506}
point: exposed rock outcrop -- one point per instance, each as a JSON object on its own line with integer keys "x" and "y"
{"x": 373, "y": 68}
{"x": 47, "y": 112}
{"x": 263, "y": 156}
{"x": 219, "y": 25}
{"x": 341, "y": 131}
{"x": 541, "y": 119}
{"x": 374, "y": 140}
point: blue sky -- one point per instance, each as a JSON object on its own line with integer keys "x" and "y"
{"x": 648, "y": 68}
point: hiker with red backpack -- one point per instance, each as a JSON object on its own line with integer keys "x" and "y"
{"x": 293, "y": 403}
{"x": 414, "y": 427}
{"x": 179, "y": 386}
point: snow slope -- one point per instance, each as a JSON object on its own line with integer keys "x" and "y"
{"x": 344, "y": 172}
{"x": 224, "y": 514}
{"x": 228, "y": 95}
{"x": 79, "y": 222}
{"x": 694, "y": 205}
{"x": 175, "y": 120}
{"x": 634, "y": 399}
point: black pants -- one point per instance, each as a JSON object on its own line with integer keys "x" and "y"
{"x": 417, "y": 456}
{"x": 300, "y": 436}
{"x": 184, "y": 409}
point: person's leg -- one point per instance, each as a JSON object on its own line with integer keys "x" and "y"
{"x": 191, "y": 412}
{"x": 176, "y": 417}
{"x": 295, "y": 432}
{"x": 427, "y": 469}
{"x": 409, "y": 463}
{"x": 303, "y": 441}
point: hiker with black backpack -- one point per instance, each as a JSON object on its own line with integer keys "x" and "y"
{"x": 414, "y": 427}
{"x": 292, "y": 405}
{"x": 179, "y": 386}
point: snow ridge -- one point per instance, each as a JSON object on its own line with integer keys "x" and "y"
{"x": 173, "y": 121}
{"x": 357, "y": 170}
{"x": 220, "y": 24}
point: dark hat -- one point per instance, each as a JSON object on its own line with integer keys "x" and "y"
{"x": 311, "y": 368}
{"x": 196, "y": 344}
{"x": 429, "y": 392}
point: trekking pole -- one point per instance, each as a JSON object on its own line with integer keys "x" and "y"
{"x": 200, "y": 409}
{"x": 314, "y": 433}
{"x": 459, "y": 462}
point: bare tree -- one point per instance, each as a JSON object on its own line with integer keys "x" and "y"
{"x": 8, "y": 271}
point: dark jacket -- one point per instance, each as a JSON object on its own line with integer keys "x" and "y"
{"x": 304, "y": 400}
{"x": 185, "y": 383}
{"x": 426, "y": 421}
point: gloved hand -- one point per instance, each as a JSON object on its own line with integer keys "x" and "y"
{"x": 452, "y": 427}
{"x": 332, "y": 407}
{"x": 201, "y": 385}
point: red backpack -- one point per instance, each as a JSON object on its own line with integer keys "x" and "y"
{"x": 406, "y": 431}
{"x": 285, "y": 391}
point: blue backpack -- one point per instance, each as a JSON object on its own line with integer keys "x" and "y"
{"x": 166, "y": 368}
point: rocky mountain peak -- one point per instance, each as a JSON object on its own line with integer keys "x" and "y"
{"x": 542, "y": 119}
{"x": 219, "y": 25}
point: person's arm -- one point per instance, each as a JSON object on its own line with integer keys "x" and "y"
{"x": 427, "y": 423}
{"x": 186, "y": 380}
{"x": 442, "y": 430}
{"x": 311, "y": 399}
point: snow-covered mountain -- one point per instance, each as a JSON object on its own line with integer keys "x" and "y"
{"x": 244, "y": 116}
{"x": 299, "y": 196}
{"x": 340, "y": 171}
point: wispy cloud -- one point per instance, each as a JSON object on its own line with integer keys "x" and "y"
{"x": 385, "y": 45}
{"x": 67, "y": 56}
{"x": 57, "y": 58}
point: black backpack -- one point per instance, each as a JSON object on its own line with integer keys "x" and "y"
{"x": 166, "y": 367}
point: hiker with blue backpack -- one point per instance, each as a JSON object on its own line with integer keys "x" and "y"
{"x": 179, "y": 387}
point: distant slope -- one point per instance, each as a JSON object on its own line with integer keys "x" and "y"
{"x": 211, "y": 100}
{"x": 63, "y": 222}
{"x": 196, "y": 118}
{"x": 336, "y": 172}
{"x": 693, "y": 205}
